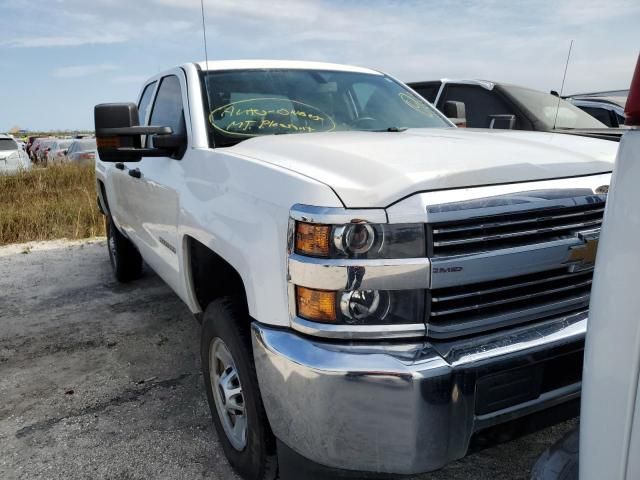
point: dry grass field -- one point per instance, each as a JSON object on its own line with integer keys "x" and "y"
{"x": 49, "y": 203}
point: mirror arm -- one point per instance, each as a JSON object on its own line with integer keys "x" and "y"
{"x": 139, "y": 130}
{"x": 146, "y": 152}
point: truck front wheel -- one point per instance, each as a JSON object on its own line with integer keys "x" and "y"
{"x": 125, "y": 259}
{"x": 233, "y": 393}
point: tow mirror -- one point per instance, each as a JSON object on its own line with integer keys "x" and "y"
{"x": 456, "y": 112}
{"x": 118, "y": 133}
{"x": 502, "y": 121}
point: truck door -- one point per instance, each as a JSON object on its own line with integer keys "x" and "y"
{"x": 151, "y": 184}
{"x": 120, "y": 205}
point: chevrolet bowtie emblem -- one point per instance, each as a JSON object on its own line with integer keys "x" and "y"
{"x": 584, "y": 256}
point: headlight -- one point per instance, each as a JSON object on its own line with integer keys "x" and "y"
{"x": 361, "y": 307}
{"x": 360, "y": 240}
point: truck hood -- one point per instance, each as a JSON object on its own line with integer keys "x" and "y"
{"x": 375, "y": 169}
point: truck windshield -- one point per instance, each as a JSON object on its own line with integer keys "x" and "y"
{"x": 250, "y": 103}
{"x": 544, "y": 105}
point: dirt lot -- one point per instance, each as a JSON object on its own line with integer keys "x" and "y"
{"x": 98, "y": 380}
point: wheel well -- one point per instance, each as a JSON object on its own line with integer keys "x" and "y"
{"x": 212, "y": 277}
{"x": 103, "y": 203}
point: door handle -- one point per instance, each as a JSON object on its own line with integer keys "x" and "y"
{"x": 120, "y": 166}
{"x": 135, "y": 173}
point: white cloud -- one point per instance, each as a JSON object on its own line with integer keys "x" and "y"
{"x": 137, "y": 79}
{"x": 63, "y": 41}
{"x": 76, "y": 71}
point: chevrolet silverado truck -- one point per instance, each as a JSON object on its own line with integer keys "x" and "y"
{"x": 375, "y": 286}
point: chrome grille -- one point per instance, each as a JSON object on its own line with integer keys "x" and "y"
{"x": 468, "y": 309}
{"x": 487, "y": 233}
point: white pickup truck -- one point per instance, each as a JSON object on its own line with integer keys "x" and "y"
{"x": 375, "y": 286}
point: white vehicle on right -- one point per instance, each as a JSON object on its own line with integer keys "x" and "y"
{"x": 609, "y": 433}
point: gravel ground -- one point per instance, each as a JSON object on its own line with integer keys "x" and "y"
{"x": 99, "y": 380}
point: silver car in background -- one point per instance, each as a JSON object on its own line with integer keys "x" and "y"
{"x": 82, "y": 151}
{"x": 12, "y": 157}
{"x": 57, "y": 151}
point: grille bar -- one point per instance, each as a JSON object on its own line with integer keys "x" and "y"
{"x": 510, "y": 229}
{"x": 482, "y": 226}
{"x": 484, "y": 291}
{"x": 519, "y": 298}
{"x": 523, "y": 233}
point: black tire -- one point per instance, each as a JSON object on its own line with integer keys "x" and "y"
{"x": 125, "y": 258}
{"x": 224, "y": 320}
{"x": 560, "y": 461}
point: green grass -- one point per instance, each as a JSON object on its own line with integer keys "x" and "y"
{"x": 49, "y": 203}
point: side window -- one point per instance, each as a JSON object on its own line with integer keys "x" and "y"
{"x": 600, "y": 114}
{"x": 428, "y": 92}
{"x": 167, "y": 109}
{"x": 145, "y": 102}
{"x": 480, "y": 104}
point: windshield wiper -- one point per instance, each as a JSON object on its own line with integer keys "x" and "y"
{"x": 389, "y": 129}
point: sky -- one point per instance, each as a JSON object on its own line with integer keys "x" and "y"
{"x": 58, "y": 58}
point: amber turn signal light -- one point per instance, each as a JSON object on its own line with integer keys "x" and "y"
{"x": 316, "y": 305}
{"x": 312, "y": 239}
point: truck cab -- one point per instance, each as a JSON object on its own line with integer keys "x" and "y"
{"x": 375, "y": 286}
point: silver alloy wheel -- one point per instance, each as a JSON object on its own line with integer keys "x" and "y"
{"x": 227, "y": 393}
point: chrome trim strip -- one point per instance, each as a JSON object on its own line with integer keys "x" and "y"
{"x": 358, "y": 332}
{"x": 335, "y": 215}
{"x": 473, "y": 351}
{"x": 353, "y": 274}
{"x": 503, "y": 263}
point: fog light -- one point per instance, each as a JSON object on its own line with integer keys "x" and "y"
{"x": 360, "y": 304}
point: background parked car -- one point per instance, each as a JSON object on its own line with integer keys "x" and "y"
{"x": 12, "y": 157}
{"x": 607, "y": 107}
{"x": 30, "y": 144}
{"x": 82, "y": 151}
{"x": 498, "y": 105}
{"x": 42, "y": 147}
{"x": 57, "y": 151}
{"x": 35, "y": 147}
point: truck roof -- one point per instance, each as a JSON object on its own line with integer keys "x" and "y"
{"x": 213, "y": 65}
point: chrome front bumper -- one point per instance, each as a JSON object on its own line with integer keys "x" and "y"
{"x": 398, "y": 408}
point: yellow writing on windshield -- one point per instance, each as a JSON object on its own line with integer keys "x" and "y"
{"x": 265, "y": 116}
{"x": 415, "y": 103}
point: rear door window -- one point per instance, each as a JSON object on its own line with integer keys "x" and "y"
{"x": 429, "y": 91}
{"x": 600, "y": 114}
{"x": 479, "y": 102}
